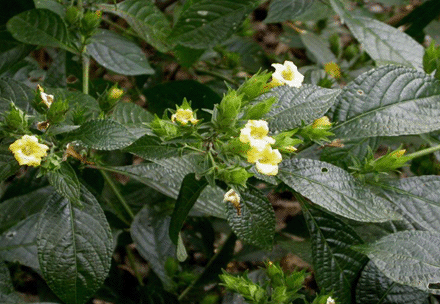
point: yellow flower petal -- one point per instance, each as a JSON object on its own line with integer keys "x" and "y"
{"x": 332, "y": 69}
{"x": 268, "y": 162}
{"x": 183, "y": 116}
{"x": 27, "y": 151}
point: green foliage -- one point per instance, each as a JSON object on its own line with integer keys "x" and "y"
{"x": 165, "y": 164}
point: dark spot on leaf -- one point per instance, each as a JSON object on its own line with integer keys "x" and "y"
{"x": 434, "y": 285}
{"x": 324, "y": 170}
{"x": 11, "y": 234}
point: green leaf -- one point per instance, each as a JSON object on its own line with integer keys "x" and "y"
{"x": 336, "y": 265}
{"x": 18, "y": 208}
{"x": 256, "y": 222}
{"x": 282, "y": 10}
{"x": 56, "y": 75}
{"x": 319, "y": 47}
{"x": 150, "y": 235}
{"x": 103, "y": 135}
{"x": 375, "y": 288}
{"x": 8, "y": 164}
{"x": 151, "y": 148}
{"x": 187, "y": 56}
{"x": 74, "y": 247}
{"x": 40, "y": 27}
{"x": 18, "y": 93}
{"x": 118, "y": 54}
{"x": 133, "y": 117}
{"x": 51, "y": 5}
{"x": 145, "y": 19}
{"x": 168, "y": 181}
{"x": 7, "y": 292}
{"x": 19, "y": 244}
{"x": 408, "y": 257}
{"x": 384, "y": 43}
{"x": 206, "y": 23}
{"x": 335, "y": 189}
{"x": 296, "y": 105}
{"x": 418, "y": 198}
{"x": 11, "y": 51}
{"x": 388, "y": 101}
{"x": 189, "y": 192}
{"x": 167, "y": 95}
{"x": 65, "y": 182}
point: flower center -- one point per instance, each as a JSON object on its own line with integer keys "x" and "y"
{"x": 258, "y": 133}
{"x": 287, "y": 74}
{"x": 27, "y": 150}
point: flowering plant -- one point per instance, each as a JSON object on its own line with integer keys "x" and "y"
{"x": 113, "y": 168}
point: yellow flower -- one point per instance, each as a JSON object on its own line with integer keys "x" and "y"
{"x": 398, "y": 153}
{"x": 233, "y": 197}
{"x": 45, "y": 98}
{"x": 332, "y": 69}
{"x": 184, "y": 116}
{"x": 255, "y": 133}
{"x": 115, "y": 93}
{"x": 330, "y": 300}
{"x": 321, "y": 122}
{"x": 27, "y": 151}
{"x": 266, "y": 161}
{"x": 286, "y": 73}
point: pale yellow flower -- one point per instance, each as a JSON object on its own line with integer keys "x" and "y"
{"x": 332, "y": 69}
{"x": 27, "y": 150}
{"x": 321, "y": 122}
{"x": 287, "y": 73}
{"x": 233, "y": 197}
{"x": 45, "y": 98}
{"x": 255, "y": 133}
{"x": 330, "y": 301}
{"x": 268, "y": 161}
{"x": 184, "y": 116}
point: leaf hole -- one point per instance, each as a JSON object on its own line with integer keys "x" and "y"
{"x": 11, "y": 234}
{"x": 324, "y": 170}
{"x": 360, "y": 92}
{"x": 434, "y": 286}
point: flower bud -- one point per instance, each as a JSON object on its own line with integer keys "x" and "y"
{"x": 318, "y": 131}
{"x": 236, "y": 175}
{"x": 226, "y": 113}
{"x": 275, "y": 274}
{"x": 333, "y": 69}
{"x": 163, "y": 128}
{"x": 57, "y": 111}
{"x": 90, "y": 22}
{"x": 109, "y": 100}
{"x": 389, "y": 162}
{"x": 15, "y": 119}
{"x": 73, "y": 15}
{"x": 254, "y": 86}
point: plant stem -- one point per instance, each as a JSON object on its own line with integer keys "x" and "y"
{"x": 132, "y": 262}
{"x": 85, "y": 69}
{"x": 80, "y": 4}
{"x": 218, "y": 75}
{"x": 117, "y": 193}
{"x": 424, "y": 152}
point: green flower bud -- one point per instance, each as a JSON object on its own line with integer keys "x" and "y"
{"x": 225, "y": 114}
{"x": 351, "y": 51}
{"x": 57, "y": 111}
{"x": 73, "y": 15}
{"x": 389, "y": 162}
{"x": 280, "y": 295}
{"x": 275, "y": 274}
{"x": 15, "y": 119}
{"x": 318, "y": 131}
{"x": 164, "y": 128}
{"x": 431, "y": 58}
{"x": 236, "y": 175}
{"x": 254, "y": 86}
{"x": 90, "y": 22}
{"x": 261, "y": 108}
{"x": 110, "y": 99}
{"x": 285, "y": 143}
{"x": 335, "y": 44}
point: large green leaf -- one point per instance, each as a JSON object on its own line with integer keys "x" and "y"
{"x": 11, "y": 51}
{"x": 16, "y": 209}
{"x": 103, "y": 135}
{"x": 319, "y": 47}
{"x": 65, "y": 182}
{"x": 168, "y": 181}
{"x": 19, "y": 243}
{"x": 335, "y": 189}
{"x": 118, "y": 54}
{"x": 188, "y": 194}
{"x": 282, "y": 10}
{"x": 375, "y": 288}
{"x": 18, "y": 93}
{"x": 408, "y": 257}
{"x": 418, "y": 198}
{"x": 388, "y": 101}
{"x": 336, "y": 265}
{"x": 206, "y": 23}
{"x": 151, "y": 236}
{"x": 384, "y": 43}
{"x": 151, "y": 148}
{"x": 133, "y": 117}
{"x": 296, "y": 105}
{"x": 74, "y": 247}
{"x": 7, "y": 292}
{"x": 8, "y": 164}
{"x": 145, "y": 18}
{"x": 40, "y": 27}
{"x": 255, "y": 223}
